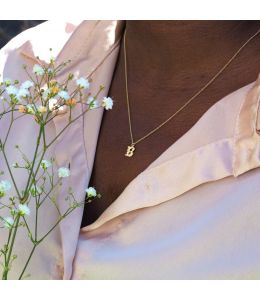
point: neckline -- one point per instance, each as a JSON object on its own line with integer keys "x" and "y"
{"x": 146, "y": 184}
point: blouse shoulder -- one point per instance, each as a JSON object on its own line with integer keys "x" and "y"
{"x": 77, "y": 41}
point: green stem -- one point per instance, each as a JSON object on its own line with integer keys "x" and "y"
{"x": 10, "y": 172}
{"x": 28, "y": 260}
{"x": 10, "y": 126}
{"x": 6, "y": 267}
{"x": 70, "y": 210}
{"x": 33, "y": 163}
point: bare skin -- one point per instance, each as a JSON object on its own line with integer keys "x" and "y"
{"x": 168, "y": 62}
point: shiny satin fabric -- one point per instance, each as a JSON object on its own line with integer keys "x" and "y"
{"x": 92, "y": 46}
{"x": 192, "y": 214}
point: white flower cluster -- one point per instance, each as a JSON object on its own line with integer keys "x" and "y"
{"x": 64, "y": 95}
{"x": 8, "y": 222}
{"x": 63, "y": 172}
{"x": 23, "y": 210}
{"x": 21, "y": 93}
{"x": 4, "y": 187}
{"x": 82, "y": 83}
{"x": 107, "y": 103}
{"x": 91, "y": 192}
{"x": 24, "y": 92}
{"x": 38, "y": 70}
{"x": 45, "y": 164}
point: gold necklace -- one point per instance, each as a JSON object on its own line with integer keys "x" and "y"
{"x": 131, "y": 148}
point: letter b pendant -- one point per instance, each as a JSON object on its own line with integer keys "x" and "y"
{"x": 130, "y": 151}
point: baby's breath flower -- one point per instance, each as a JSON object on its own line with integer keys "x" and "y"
{"x": 83, "y": 83}
{"x": 27, "y": 84}
{"x": 38, "y": 70}
{"x": 64, "y": 95}
{"x": 63, "y": 172}
{"x": 8, "y": 222}
{"x": 107, "y": 103}
{"x": 22, "y": 93}
{"x": 92, "y": 103}
{"x": 23, "y": 209}
{"x": 5, "y": 185}
{"x": 53, "y": 104}
{"x": 91, "y": 192}
{"x": 45, "y": 164}
{"x": 11, "y": 90}
{"x": 42, "y": 109}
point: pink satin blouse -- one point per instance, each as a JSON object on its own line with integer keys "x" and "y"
{"x": 191, "y": 214}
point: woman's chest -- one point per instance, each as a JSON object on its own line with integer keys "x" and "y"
{"x": 150, "y": 105}
{"x": 112, "y": 170}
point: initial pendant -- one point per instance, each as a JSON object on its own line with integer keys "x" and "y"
{"x": 130, "y": 151}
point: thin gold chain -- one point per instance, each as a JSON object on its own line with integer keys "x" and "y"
{"x": 183, "y": 106}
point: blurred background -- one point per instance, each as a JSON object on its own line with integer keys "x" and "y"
{"x": 10, "y": 28}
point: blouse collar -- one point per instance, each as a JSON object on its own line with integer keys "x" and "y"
{"x": 247, "y": 132}
{"x": 167, "y": 178}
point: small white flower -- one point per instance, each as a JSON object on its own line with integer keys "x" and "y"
{"x": 83, "y": 83}
{"x": 22, "y": 93}
{"x": 8, "y": 222}
{"x": 107, "y": 103}
{"x": 27, "y": 84}
{"x": 53, "y": 104}
{"x": 63, "y": 172}
{"x": 11, "y": 90}
{"x": 64, "y": 95}
{"x": 23, "y": 209}
{"x": 5, "y": 185}
{"x": 45, "y": 164}
{"x": 92, "y": 103}
{"x": 38, "y": 70}
{"x": 91, "y": 192}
